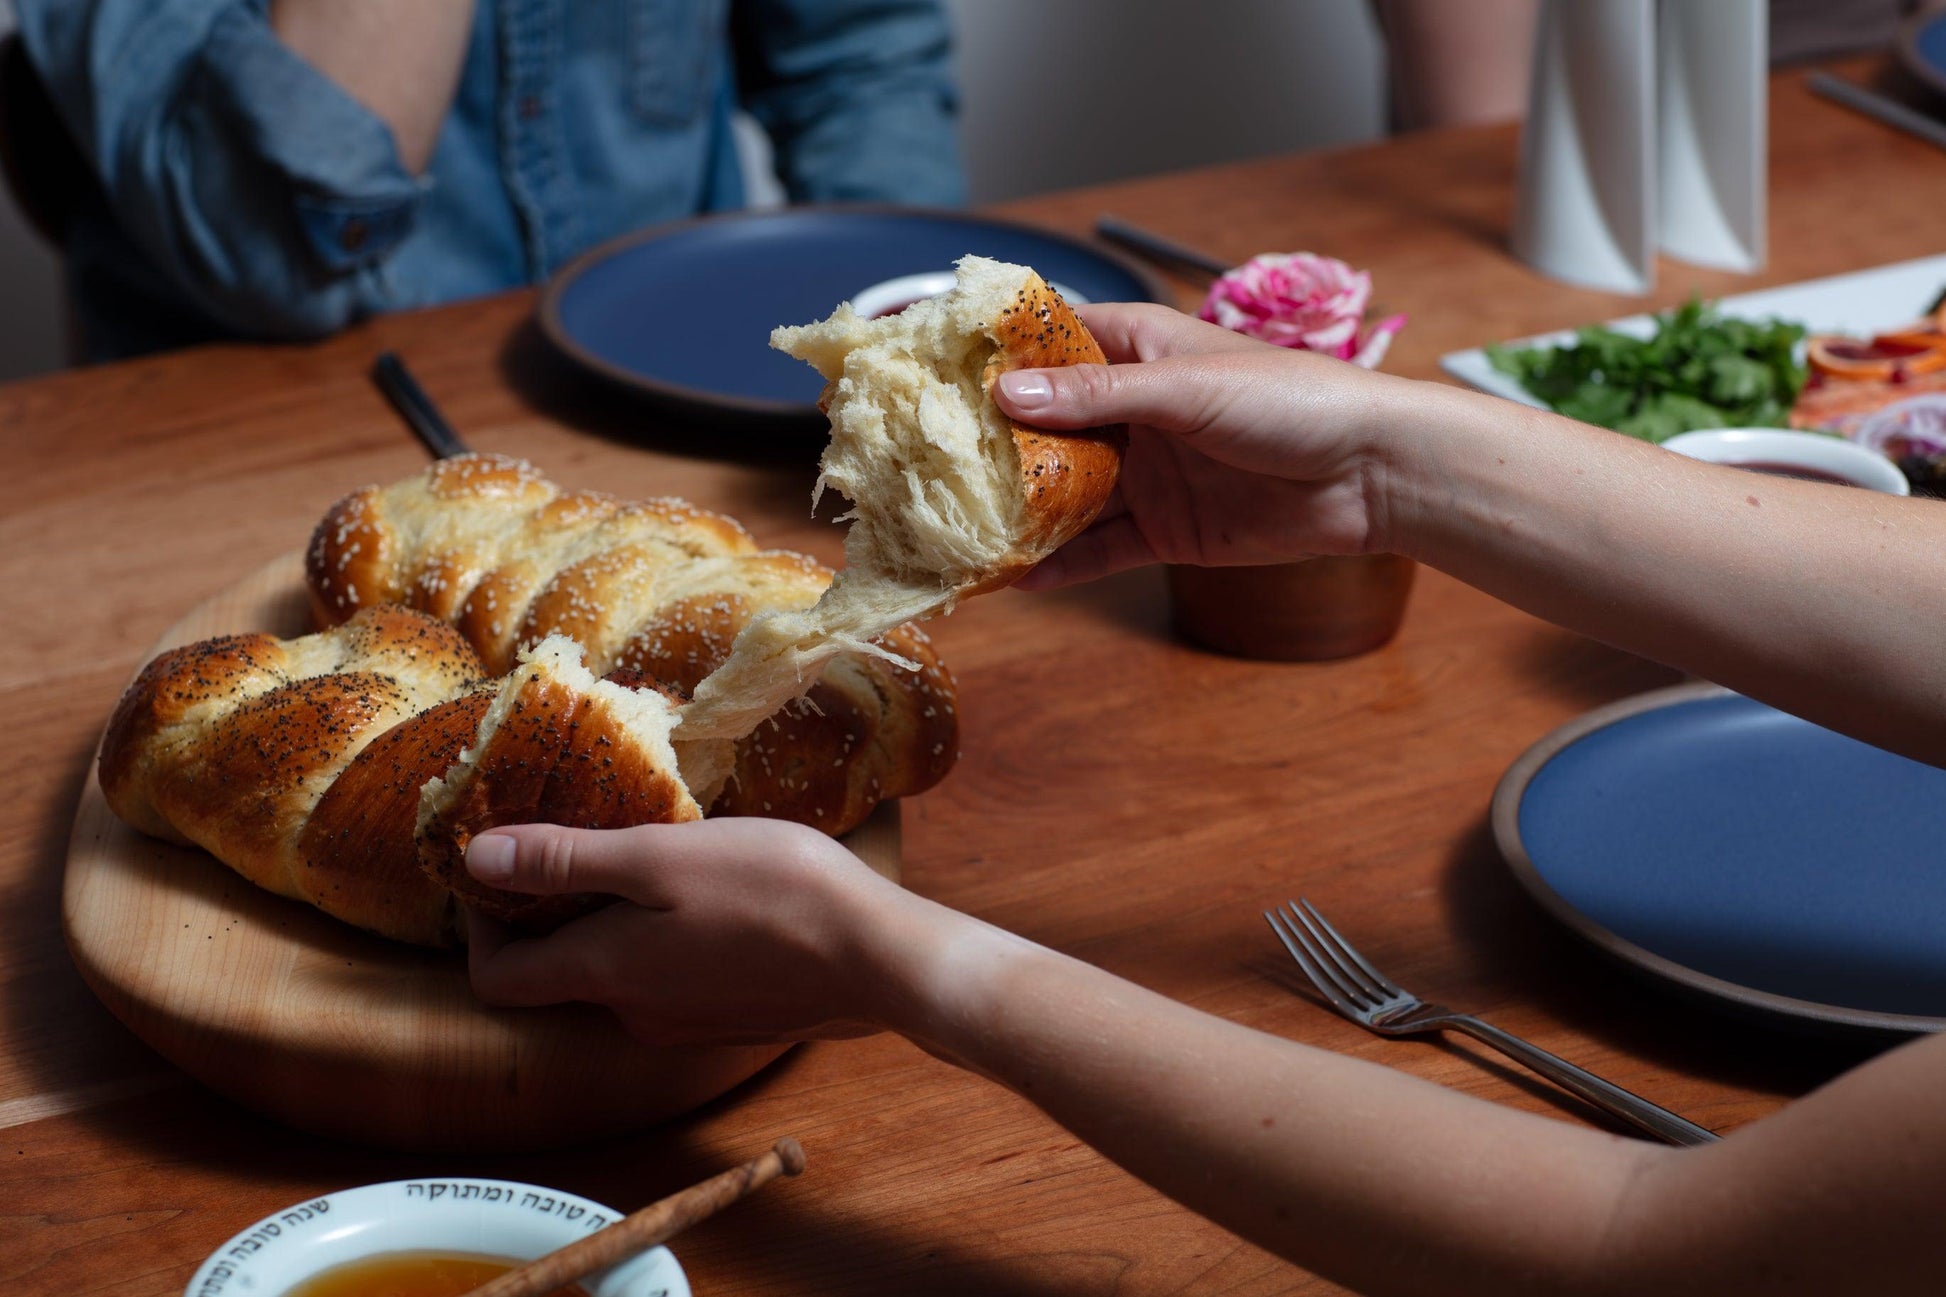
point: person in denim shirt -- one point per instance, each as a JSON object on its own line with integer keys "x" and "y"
{"x": 283, "y": 168}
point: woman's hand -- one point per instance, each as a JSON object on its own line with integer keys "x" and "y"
{"x": 1823, "y": 602}
{"x": 731, "y": 931}
{"x": 1239, "y": 451}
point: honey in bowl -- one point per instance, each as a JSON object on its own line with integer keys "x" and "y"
{"x": 412, "y": 1274}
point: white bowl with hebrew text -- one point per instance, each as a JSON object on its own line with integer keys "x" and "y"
{"x": 457, "y": 1216}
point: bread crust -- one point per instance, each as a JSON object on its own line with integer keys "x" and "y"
{"x": 359, "y": 857}
{"x": 558, "y": 757}
{"x": 235, "y": 744}
{"x": 808, "y": 751}
{"x": 301, "y": 764}
{"x": 950, "y": 498}
{"x": 171, "y": 690}
{"x": 1065, "y": 477}
{"x": 489, "y": 545}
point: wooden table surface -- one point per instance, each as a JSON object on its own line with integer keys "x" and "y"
{"x": 1122, "y": 798}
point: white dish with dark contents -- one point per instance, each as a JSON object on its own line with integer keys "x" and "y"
{"x": 890, "y": 296}
{"x": 1808, "y": 455}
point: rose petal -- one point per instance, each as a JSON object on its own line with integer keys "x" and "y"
{"x": 1298, "y": 300}
{"x": 1378, "y": 341}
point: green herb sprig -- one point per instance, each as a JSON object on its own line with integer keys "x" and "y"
{"x": 1698, "y": 370}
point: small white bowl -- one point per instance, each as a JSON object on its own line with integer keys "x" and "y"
{"x": 892, "y": 295}
{"x": 1781, "y": 451}
{"x": 459, "y": 1216}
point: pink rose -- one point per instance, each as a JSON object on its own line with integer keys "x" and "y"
{"x": 1303, "y": 301}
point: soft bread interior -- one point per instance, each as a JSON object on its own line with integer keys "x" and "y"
{"x": 927, "y": 460}
{"x": 930, "y": 466}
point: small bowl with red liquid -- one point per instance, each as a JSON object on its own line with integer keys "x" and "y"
{"x": 436, "y": 1237}
{"x": 1810, "y": 456}
{"x": 890, "y": 296}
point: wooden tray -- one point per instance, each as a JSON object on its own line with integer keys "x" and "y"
{"x": 333, "y": 1030}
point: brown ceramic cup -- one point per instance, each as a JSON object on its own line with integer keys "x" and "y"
{"x": 1292, "y": 612}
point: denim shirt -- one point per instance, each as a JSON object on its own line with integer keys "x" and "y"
{"x": 244, "y": 194}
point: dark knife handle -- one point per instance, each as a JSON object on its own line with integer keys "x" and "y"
{"x": 1890, "y": 111}
{"x": 412, "y": 403}
{"x": 1153, "y": 247}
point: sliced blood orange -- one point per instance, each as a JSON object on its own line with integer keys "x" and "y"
{"x": 1887, "y": 357}
{"x": 1929, "y": 332}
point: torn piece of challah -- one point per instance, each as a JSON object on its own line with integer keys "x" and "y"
{"x": 300, "y": 764}
{"x": 557, "y": 746}
{"x": 949, "y": 496}
{"x": 662, "y": 587}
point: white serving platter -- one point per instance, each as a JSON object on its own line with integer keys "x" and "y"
{"x": 1863, "y": 302}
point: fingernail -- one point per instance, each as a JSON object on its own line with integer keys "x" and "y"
{"x": 1027, "y": 390}
{"x": 491, "y": 858}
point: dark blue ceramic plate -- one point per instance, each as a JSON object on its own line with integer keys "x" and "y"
{"x": 1922, "y": 47}
{"x": 1742, "y": 853}
{"x": 683, "y": 312}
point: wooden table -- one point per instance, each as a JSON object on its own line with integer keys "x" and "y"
{"x": 1137, "y": 814}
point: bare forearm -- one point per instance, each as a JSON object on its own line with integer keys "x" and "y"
{"x": 1828, "y": 603}
{"x": 742, "y": 929}
{"x": 399, "y": 58}
{"x": 1389, "y": 1184}
{"x": 1375, "y": 1178}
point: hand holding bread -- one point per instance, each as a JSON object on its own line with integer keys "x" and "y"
{"x": 732, "y": 931}
{"x": 1239, "y": 452}
{"x": 950, "y": 497}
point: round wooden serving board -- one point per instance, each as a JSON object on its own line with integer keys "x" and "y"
{"x": 333, "y": 1030}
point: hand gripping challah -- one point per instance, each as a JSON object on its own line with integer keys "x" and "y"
{"x": 300, "y": 763}
{"x": 556, "y": 746}
{"x": 660, "y": 587}
{"x": 950, "y": 497}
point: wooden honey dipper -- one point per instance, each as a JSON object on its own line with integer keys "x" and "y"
{"x": 640, "y": 1230}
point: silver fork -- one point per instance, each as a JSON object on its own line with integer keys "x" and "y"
{"x": 1373, "y": 1001}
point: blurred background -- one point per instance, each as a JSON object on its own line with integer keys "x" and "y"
{"x": 1217, "y": 82}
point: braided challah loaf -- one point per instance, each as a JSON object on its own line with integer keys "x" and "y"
{"x": 660, "y": 587}
{"x": 350, "y": 768}
{"x": 300, "y": 763}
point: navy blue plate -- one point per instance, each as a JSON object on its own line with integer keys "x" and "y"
{"x": 1744, "y": 854}
{"x": 683, "y": 312}
{"x": 1922, "y": 47}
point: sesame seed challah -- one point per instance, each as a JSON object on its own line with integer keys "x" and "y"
{"x": 660, "y": 587}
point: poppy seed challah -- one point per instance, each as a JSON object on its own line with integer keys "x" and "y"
{"x": 300, "y": 763}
